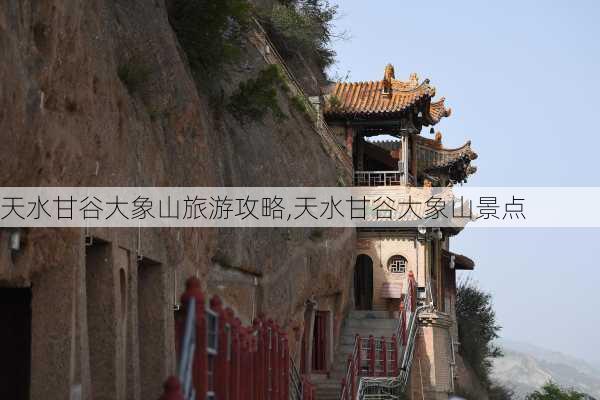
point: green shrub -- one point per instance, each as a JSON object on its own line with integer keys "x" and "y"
{"x": 254, "y": 97}
{"x": 133, "y": 75}
{"x": 551, "y": 391}
{"x": 303, "y": 26}
{"x": 210, "y": 31}
{"x": 500, "y": 392}
{"x": 299, "y": 104}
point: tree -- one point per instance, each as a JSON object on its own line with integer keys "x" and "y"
{"x": 477, "y": 328}
{"x": 551, "y": 391}
{"x": 497, "y": 391}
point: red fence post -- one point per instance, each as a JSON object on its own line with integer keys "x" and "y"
{"x": 384, "y": 357}
{"x": 286, "y": 369}
{"x": 236, "y": 349}
{"x": 221, "y": 363}
{"x": 275, "y": 362}
{"x": 253, "y": 374}
{"x": 371, "y": 355}
{"x": 172, "y": 389}
{"x": 199, "y": 368}
{"x": 258, "y": 360}
{"x": 245, "y": 367}
{"x": 394, "y": 355}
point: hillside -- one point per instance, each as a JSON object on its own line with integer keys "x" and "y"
{"x": 526, "y": 367}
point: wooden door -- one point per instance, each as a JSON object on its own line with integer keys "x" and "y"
{"x": 363, "y": 283}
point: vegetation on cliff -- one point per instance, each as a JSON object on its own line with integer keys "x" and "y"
{"x": 304, "y": 27}
{"x": 477, "y": 330}
{"x": 210, "y": 32}
{"x": 255, "y": 97}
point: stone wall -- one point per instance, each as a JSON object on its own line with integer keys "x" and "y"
{"x": 67, "y": 119}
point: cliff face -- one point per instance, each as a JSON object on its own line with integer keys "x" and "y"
{"x": 68, "y": 119}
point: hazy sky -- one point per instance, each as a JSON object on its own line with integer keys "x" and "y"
{"x": 523, "y": 82}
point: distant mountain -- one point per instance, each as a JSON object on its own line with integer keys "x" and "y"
{"x": 526, "y": 367}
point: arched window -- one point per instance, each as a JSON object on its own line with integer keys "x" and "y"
{"x": 397, "y": 265}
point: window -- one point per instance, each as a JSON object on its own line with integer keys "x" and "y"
{"x": 397, "y": 265}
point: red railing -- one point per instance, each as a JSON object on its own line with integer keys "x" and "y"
{"x": 371, "y": 357}
{"x": 379, "y": 357}
{"x": 231, "y": 361}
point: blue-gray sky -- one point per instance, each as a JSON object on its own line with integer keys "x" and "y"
{"x": 522, "y": 78}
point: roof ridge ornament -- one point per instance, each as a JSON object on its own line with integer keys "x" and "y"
{"x": 414, "y": 79}
{"x": 388, "y": 77}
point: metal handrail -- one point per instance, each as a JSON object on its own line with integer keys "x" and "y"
{"x": 391, "y": 387}
{"x": 188, "y": 347}
{"x": 320, "y": 126}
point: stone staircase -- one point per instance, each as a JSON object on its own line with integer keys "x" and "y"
{"x": 364, "y": 323}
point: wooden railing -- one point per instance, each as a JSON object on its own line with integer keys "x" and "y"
{"x": 219, "y": 358}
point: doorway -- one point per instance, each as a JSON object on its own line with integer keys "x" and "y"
{"x": 363, "y": 283}
{"x": 319, "y": 359}
{"x": 15, "y": 343}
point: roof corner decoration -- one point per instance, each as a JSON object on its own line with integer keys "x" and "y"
{"x": 461, "y": 262}
{"x": 437, "y": 111}
{"x": 433, "y": 158}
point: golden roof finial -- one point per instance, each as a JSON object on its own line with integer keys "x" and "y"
{"x": 438, "y": 137}
{"x": 388, "y": 74}
{"x": 388, "y": 77}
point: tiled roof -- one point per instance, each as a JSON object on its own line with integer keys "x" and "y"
{"x": 384, "y": 98}
{"x": 432, "y": 155}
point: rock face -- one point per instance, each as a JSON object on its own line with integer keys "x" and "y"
{"x": 67, "y": 119}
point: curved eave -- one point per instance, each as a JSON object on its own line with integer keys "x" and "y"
{"x": 437, "y": 111}
{"x": 461, "y": 262}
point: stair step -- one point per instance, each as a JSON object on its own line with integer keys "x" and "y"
{"x": 364, "y": 323}
{"x": 372, "y": 314}
{"x": 372, "y": 323}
